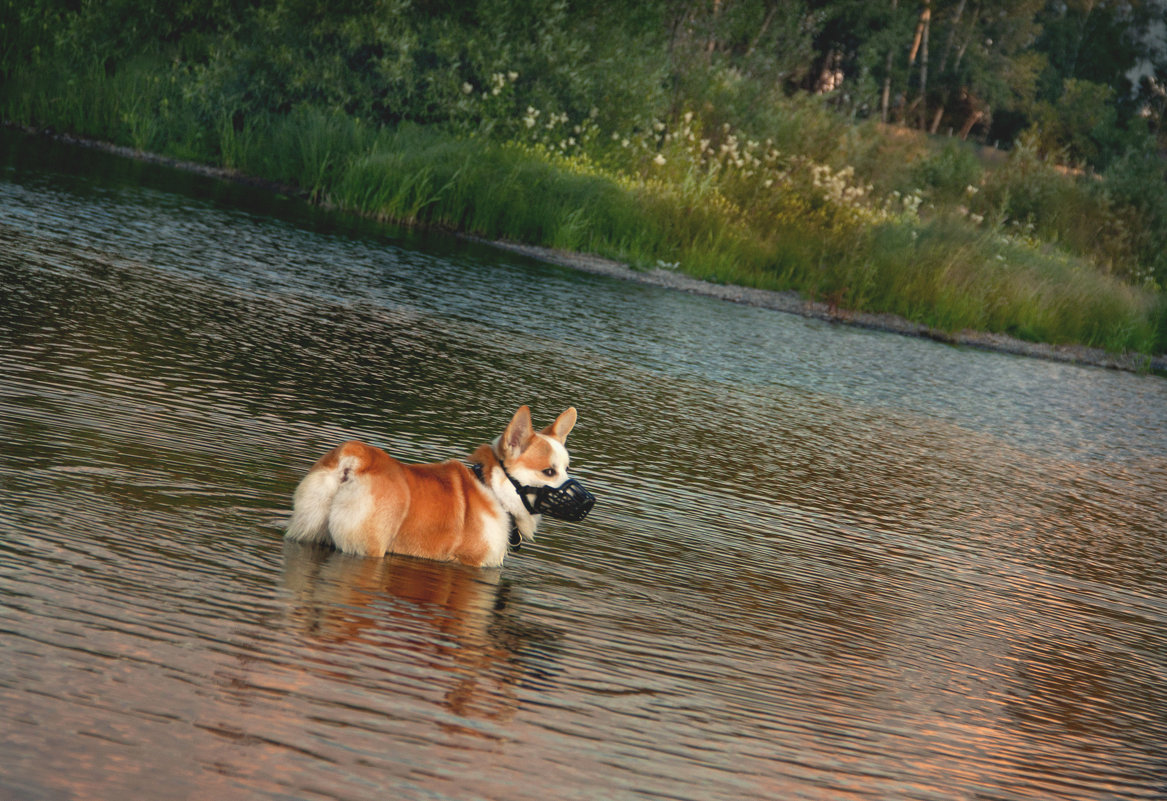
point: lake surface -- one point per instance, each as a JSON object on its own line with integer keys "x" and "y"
{"x": 825, "y": 563}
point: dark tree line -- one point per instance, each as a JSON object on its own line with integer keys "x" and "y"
{"x": 1086, "y": 78}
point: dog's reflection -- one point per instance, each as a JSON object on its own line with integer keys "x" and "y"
{"x": 454, "y": 617}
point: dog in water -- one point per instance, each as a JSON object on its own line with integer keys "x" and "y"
{"x": 365, "y": 502}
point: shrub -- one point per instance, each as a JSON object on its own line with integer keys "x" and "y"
{"x": 948, "y": 173}
{"x": 1137, "y": 186}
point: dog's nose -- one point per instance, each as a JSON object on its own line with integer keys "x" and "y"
{"x": 578, "y": 503}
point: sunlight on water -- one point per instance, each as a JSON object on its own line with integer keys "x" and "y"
{"x": 824, "y": 563}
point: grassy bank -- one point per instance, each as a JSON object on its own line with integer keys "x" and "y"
{"x": 788, "y": 196}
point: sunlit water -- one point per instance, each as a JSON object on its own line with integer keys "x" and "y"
{"x": 825, "y": 563}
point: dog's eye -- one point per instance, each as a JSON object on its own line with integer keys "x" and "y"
{"x": 550, "y": 471}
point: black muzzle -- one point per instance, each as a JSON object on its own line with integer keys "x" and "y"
{"x": 569, "y": 501}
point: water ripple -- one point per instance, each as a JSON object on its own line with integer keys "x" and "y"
{"x": 825, "y": 563}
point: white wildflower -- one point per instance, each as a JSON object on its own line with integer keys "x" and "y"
{"x": 659, "y": 160}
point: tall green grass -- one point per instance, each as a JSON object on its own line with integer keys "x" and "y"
{"x": 781, "y": 221}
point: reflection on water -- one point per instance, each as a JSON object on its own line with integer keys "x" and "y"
{"x": 452, "y": 620}
{"x": 829, "y": 563}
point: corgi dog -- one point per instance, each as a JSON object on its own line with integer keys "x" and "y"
{"x": 363, "y": 501}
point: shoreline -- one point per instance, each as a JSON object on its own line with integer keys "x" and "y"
{"x": 791, "y": 302}
{"x": 788, "y": 302}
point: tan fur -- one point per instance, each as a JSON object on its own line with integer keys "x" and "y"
{"x": 365, "y": 502}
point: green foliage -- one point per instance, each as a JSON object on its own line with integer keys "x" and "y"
{"x": 26, "y": 32}
{"x": 732, "y": 60}
{"x": 949, "y": 173}
{"x": 1082, "y": 126}
{"x": 659, "y": 133}
{"x": 1119, "y": 221}
{"x": 309, "y": 147}
{"x": 1136, "y": 185}
{"x": 1090, "y": 41}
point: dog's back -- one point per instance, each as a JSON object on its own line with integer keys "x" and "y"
{"x": 366, "y": 502}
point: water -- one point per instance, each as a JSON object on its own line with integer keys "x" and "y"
{"x": 825, "y": 563}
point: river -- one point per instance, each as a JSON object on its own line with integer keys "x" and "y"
{"x": 825, "y": 563}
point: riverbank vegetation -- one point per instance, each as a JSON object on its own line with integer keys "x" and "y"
{"x": 1008, "y": 177}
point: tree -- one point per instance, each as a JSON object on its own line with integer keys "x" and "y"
{"x": 1087, "y": 106}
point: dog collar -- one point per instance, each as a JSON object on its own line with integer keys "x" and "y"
{"x": 514, "y": 539}
{"x": 520, "y": 489}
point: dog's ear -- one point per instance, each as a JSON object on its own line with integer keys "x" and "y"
{"x": 562, "y": 425}
{"x": 518, "y": 433}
